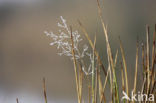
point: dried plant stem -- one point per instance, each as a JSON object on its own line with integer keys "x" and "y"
{"x": 143, "y": 60}
{"x": 100, "y": 88}
{"x": 75, "y": 68}
{"x": 153, "y": 57}
{"x": 116, "y": 57}
{"x": 136, "y": 70}
{"x": 154, "y": 86}
{"x": 44, "y": 91}
{"x": 125, "y": 67}
{"x": 89, "y": 94}
{"x": 17, "y": 100}
{"x": 93, "y": 73}
{"x": 89, "y": 89}
{"x": 80, "y": 82}
{"x": 109, "y": 53}
{"x": 143, "y": 86}
{"x": 122, "y": 77}
{"x": 148, "y": 58}
{"x": 92, "y": 46}
{"x": 96, "y": 84}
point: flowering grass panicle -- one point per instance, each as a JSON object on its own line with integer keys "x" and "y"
{"x": 63, "y": 42}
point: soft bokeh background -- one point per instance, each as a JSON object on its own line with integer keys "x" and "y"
{"x": 25, "y": 54}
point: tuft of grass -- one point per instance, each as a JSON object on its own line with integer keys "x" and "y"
{"x": 96, "y": 82}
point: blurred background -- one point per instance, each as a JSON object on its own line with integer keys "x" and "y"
{"x": 26, "y": 56}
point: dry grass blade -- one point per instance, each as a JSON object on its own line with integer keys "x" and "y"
{"x": 100, "y": 87}
{"x": 116, "y": 57}
{"x": 75, "y": 67}
{"x": 103, "y": 25}
{"x": 109, "y": 53}
{"x": 89, "y": 89}
{"x": 93, "y": 73}
{"x": 89, "y": 94}
{"x": 101, "y": 91}
{"x": 153, "y": 57}
{"x": 108, "y": 71}
{"x": 96, "y": 84}
{"x": 136, "y": 70}
{"x": 144, "y": 63}
{"x": 148, "y": 58}
{"x": 115, "y": 86}
{"x": 143, "y": 60}
{"x": 92, "y": 45}
{"x": 17, "y": 100}
{"x": 44, "y": 91}
{"x": 122, "y": 77}
{"x": 154, "y": 86}
{"x": 104, "y": 86}
{"x": 80, "y": 82}
{"x": 143, "y": 87}
{"x": 125, "y": 66}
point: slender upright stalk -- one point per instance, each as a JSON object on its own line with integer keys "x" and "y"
{"x": 93, "y": 73}
{"x": 123, "y": 79}
{"x": 136, "y": 71}
{"x": 125, "y": 67}
{"x": 17, "y": 100}
{"x": 153, "y": 57}
{"x": 93, "y": 84}
{"x": 75, "y": 67}
{"x": 148, "y": 58}
{"x": 109, "y": 53}
{"x": 44, "y": 91}
{"x": 92, "y": 46}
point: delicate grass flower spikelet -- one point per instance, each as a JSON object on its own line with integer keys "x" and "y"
{"x": 63, "y": 42}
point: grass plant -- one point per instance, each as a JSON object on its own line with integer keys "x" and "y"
{"x": 69, "y": 43}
